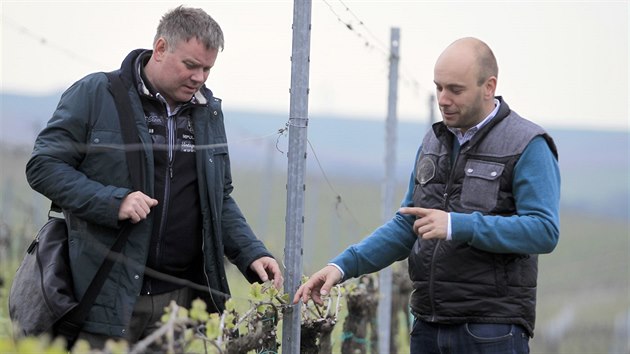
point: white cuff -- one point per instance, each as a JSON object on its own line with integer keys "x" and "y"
{"x": 448, "y": 228}
{"x": 343, "y": 275}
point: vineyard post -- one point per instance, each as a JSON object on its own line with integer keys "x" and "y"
{"x": 298, "y": 122}
{"x": 385, "y": 275}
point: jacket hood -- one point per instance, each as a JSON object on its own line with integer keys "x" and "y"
{"x": 127, "y": 65}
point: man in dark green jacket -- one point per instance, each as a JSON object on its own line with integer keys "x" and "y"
{"x": 185, "y": 219}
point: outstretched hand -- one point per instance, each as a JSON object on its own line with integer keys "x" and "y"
{"x": 318, "y": 285}
{"x": 267, "y": 268}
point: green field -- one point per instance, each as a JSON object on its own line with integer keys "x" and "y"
{"x": 583, "y": 285}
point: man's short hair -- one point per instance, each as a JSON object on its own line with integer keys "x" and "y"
{"x": 183, "y": 23}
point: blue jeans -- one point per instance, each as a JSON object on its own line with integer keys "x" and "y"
{"x": 468, "y": 338}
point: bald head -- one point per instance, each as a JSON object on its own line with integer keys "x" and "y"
{"x": 465, "y": 78}
{"x": 473, "y": 53}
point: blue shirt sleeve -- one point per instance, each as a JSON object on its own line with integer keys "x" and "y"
{"x": 535, "y": 228}
{"x": 389, "y": 243}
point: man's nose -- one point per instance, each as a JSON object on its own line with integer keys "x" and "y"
{"x": 199, "y": 76}
{"x": 443, "y": 99}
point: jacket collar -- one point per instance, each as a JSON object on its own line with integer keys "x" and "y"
{"x": 441, "y": 129}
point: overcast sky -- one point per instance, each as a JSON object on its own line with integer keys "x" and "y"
{"x": 561, "y": 63}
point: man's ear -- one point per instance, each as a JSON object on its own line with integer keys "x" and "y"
{"x": 160, "y": 48}
{"x": 490, "y": 87}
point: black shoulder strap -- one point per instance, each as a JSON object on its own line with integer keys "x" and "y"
{"x": 133, "y": 145}
{"x": 70, "y": 325}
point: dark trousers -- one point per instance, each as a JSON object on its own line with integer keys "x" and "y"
{"x": 468, "y": 338}
{"x": 146, "y": 317}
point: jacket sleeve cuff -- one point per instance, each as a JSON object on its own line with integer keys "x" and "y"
{"x": 460, "y": 227}
{"x": 344, "y": 265}
{"x": 343, "y": 274}
{"x": 116, "y": 201}
{"x": 249, "y": 274}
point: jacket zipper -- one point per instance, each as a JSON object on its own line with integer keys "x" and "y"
{"x": 170, "y": 137}
{"x": 170, "y": 132}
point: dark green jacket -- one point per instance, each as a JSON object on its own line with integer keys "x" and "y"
{"x": 78, "y": 163}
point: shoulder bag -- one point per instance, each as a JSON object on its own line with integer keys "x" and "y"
{"x": 41, "y": 298}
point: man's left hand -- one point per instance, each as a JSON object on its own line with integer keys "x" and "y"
{"x": 430, "y": 223}
{"x": 267, "y": 268}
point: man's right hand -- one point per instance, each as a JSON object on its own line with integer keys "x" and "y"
{"x": 318, "y": 285}
{"x": 136, "y": 206}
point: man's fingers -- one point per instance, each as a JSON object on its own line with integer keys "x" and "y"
{"x": 298, "y": 295}
{"x": 332, "y": 277}
{"x": 422, "y": 231}
{"x": 420, "y": 226}
{"x": 420, "y": 212}
{"x": 152, "y": 202}
{"x": 135, "y": 218}
{"x": 306, "y": 290}
{"x": 137, "y": 213}
{"x": 302, "y": 293}
{"x": 278, "y": 281}
{"x": 276, "y": 275}
{"x": 259, "y": 268}
{"x": 262, "y": 274}
{"x": 326, "y": 287}
{"x": 319, "y": 284}
{"x": 317, "y": 298}
{"x": 267, "y": 268}
{"x": 314, "y": 293}
{"x": 136, "y": 206}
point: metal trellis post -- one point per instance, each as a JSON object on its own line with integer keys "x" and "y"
{"x": 298, "y": 122}
{"x": 385, "y": 275}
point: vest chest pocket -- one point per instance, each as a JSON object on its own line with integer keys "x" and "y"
{"x": 480, "y": 188}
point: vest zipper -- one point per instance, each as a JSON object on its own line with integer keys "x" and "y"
{"x": 446, "y": 195}
{"x": 449, "y": 182}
